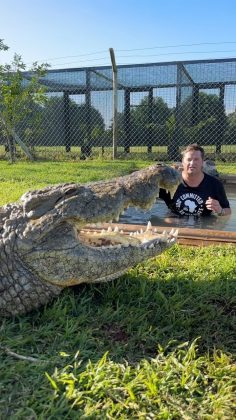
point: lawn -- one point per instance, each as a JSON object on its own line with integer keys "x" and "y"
{"x": 157, "y": 343}
{"x": 24, "y": 176}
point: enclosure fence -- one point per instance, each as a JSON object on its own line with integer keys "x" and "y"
{"x": 161, "y": 107}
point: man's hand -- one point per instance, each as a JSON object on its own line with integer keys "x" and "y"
{"x": 214, "y": 205}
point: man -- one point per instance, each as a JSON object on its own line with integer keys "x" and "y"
{"x": 199, "y": 194}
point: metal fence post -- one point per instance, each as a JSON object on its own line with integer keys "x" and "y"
{"x": 127, "y": 127}
{"x": 66, "y": 103}
{"x": 150, "y": 117}
{"x": 115, "y": 101}
{"x": 222, "y": 126}
{"x": 173, "y": 153}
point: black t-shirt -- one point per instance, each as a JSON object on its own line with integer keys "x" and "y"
{"x": 191, "y": 200}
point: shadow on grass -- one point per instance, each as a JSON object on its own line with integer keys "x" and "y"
{"x": 134, "y": 315}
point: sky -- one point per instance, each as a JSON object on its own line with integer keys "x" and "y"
{"x": 79, "y": 33}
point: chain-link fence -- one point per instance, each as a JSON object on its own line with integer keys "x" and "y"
{"x": 160, "y": 108}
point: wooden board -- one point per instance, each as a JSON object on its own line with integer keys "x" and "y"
{"x": 228, "y": 179}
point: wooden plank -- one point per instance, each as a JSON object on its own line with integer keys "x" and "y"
{"x": 228, "y": 179}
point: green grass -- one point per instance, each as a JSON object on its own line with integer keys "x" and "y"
{"x": 228, "y": 168}
{"x": 20, "y": 177}
{"x": 160, "y": 153}
{"x": 157, "y": 343}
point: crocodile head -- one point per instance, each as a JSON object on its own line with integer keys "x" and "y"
{"x": 45, "y": 246}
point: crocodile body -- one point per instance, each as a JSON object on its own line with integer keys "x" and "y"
{"x": 43, "y": 247}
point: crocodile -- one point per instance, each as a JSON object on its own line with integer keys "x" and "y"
{"x": 45, "y": 245}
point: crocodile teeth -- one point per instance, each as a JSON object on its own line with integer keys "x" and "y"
{"x": 149, "y": 226}
{"x": 175, "y": 233}
{"x": 116, "y": 230}
{"x": 164, "y": 235}
{"x": 109, "y": 229}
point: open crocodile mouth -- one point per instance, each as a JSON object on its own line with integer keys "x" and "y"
{"x": 108, "y": 236}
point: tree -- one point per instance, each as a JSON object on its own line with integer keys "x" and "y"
{"x": 87, "y": 124}
{"x": 210, "y": 120}
{"x": 3, "y": 47}
{"x": 66, "y": 123}
{"x": 155, "y": 112}
{"x": 230, "y": 134}
{"x": 20, "y": 91}
{"x": 147, "y": 123}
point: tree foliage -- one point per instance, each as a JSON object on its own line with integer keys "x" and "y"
{"x": 52, "y": 128}
{"x": 148, "y": 123}
{"x": 20, "y": 91}
{"x": 209, "y": 123}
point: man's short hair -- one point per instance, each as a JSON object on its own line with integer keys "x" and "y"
{"x": 193, "y": 147}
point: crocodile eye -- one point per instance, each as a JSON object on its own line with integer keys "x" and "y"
{"x": 70, "y": 191}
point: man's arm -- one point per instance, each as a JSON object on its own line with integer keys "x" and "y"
{"x": 220, "y": 203}
{"x": 214, "y": 205}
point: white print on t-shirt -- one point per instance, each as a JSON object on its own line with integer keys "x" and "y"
{"x": 189, "y": 203}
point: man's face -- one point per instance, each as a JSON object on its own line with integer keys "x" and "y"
{"x": 192, "y": 162}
